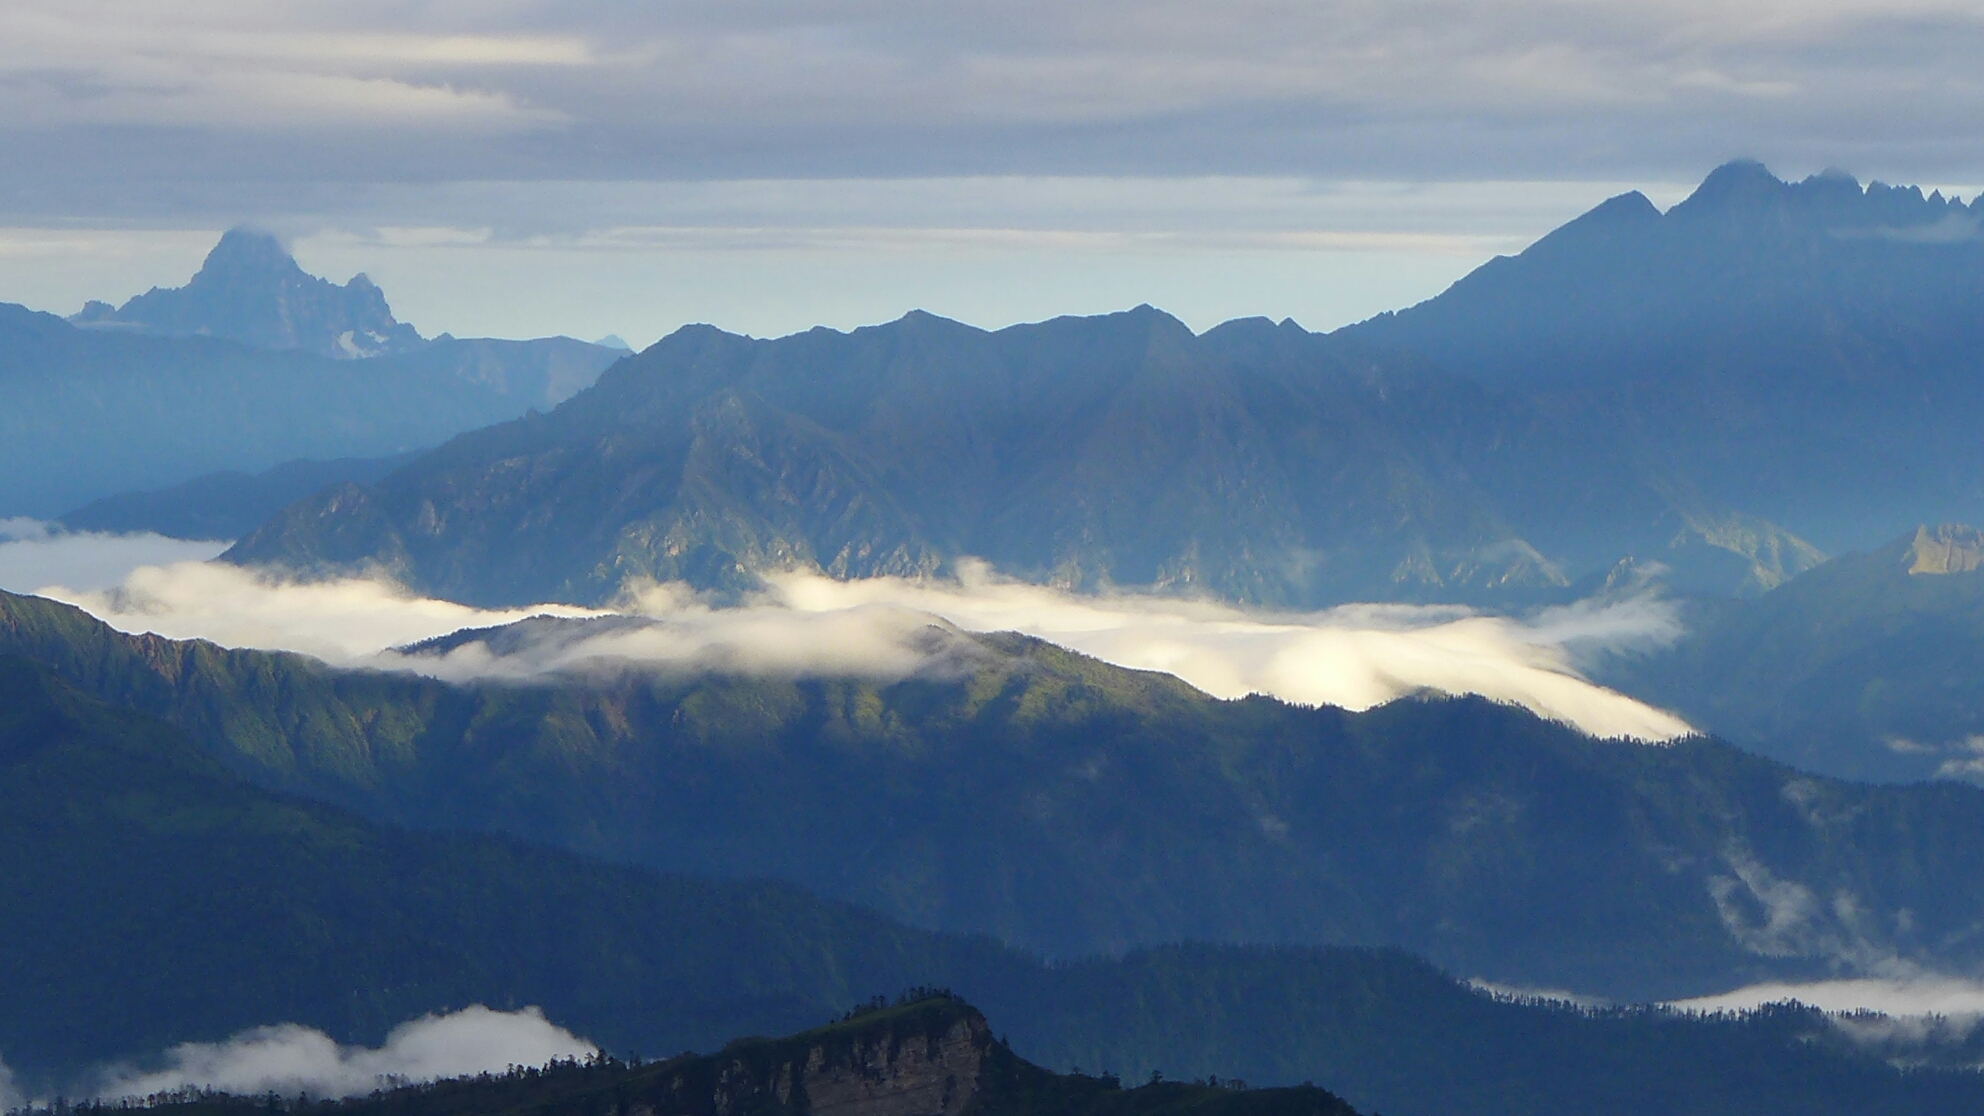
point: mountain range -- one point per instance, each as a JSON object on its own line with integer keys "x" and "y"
{"x": 1804, "y": 352}
{"x": 1694, "y": 405}
{"x": 1257, "y": 462}
{"x": 1704, "y": 389}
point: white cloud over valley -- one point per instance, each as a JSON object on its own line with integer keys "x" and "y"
{"x": 805, "y": 624}
{"x": 32, "y": 555}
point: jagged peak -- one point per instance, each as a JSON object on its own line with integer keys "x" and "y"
{"x": 1832, "y": 202}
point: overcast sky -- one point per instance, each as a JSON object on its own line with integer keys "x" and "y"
{"x": 522, "y": 166}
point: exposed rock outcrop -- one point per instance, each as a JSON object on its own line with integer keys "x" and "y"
{"x": 1948, "y": 549}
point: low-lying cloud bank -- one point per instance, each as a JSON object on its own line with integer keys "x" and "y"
{"x": 33, "y": 554}
{"x": 289, "y": 1059}
{"x": 803, "y": 624}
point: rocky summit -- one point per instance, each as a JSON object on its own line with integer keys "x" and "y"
{"x": 251, "y": 290}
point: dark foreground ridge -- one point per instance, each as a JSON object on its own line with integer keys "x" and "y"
{"x": 930, "y": 1055}
{"x": 151, "y": 898}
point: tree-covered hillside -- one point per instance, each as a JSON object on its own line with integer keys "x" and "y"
{"x": 1069, "y": 806}
{"x": 151, "y": 898}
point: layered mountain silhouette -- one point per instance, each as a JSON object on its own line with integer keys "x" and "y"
{"x": 251, "y": 290}
{"x": 155, "y": 898}
{"x": 1258, "y": 461}
{"x": 224, "y": 505}
{"x": 1727, "y": 390}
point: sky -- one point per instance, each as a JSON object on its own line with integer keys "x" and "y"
{"x": 513, "y": 167}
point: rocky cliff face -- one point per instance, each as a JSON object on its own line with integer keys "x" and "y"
{"x": 927, "y": 1061}
{"x": 925, "y": 1057}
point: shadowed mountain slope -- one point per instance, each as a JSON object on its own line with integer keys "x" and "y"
{"x": 1866, "y": 667}
{"x": 1259, "y": 462}
{"x": 1709, "y": 388}
{"x": 152, "y": 898}
{"x": 1069, "y": 806}
{"x": 1805, "y": 352}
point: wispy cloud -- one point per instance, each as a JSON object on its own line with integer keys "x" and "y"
{"x": 802, "y": 624}
{"x": 290, "y": 1058}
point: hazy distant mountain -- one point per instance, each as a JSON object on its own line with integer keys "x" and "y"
{"x": 250, "y": 290}
{"x": 90, "y": 413}
{"x": 224, "y": 505}
{"x": 1073, "y": 807}
{"x": 1258, "y": 461}
{"x": 152, "y": 899}
{"x": 1868, "y": 667}
{"x": 1811, "y": 353}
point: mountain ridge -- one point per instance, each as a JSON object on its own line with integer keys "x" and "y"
{"x": 1257, "y": 462}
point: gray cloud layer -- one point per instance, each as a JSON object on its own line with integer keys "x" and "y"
{"x": 395, "y": 92}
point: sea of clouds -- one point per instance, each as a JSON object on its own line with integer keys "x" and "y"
{"x": 802, "y": 624}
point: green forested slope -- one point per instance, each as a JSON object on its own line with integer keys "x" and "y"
{"x": 1069, "y": 806}
{"x": 147, "y": 897}
{"x": 153, "y": 898}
